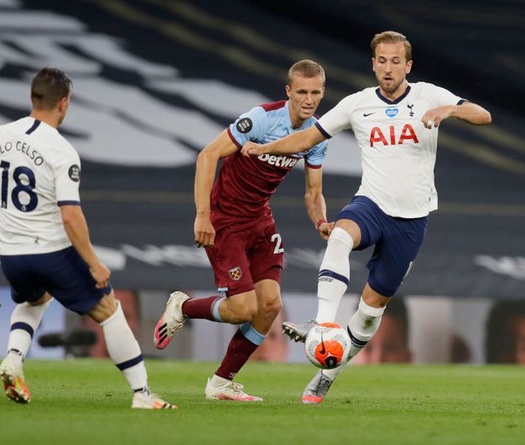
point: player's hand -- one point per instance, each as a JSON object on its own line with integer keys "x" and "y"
{"x": 100, "y": 274}
{"x": 325, "y": 229}
{"x": 251, "y": 148}
{"x": 204, "y": 231}
{"x": 433, "y": 118}
{"x": 430, "y": 121}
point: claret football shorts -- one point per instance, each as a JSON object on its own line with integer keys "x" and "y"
{"x": 246, "y": 253}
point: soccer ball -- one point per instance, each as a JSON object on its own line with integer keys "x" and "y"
{"x": 327, "y": 345}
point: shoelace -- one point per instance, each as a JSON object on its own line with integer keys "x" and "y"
{"x": 235, "y": 387}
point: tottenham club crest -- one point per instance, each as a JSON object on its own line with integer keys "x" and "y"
{"x": 235, "y": 273}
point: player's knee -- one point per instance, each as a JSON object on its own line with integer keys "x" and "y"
{"x": 42, "y": 300}
{"x": 244, "y": 314}
{"x": 243, "y": 307}
{"x": 104, "y": 309}
{"x": 271, "y": 308}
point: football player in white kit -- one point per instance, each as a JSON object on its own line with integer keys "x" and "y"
{"x": 396, "y": 126}
{"x": 45, "y": 249}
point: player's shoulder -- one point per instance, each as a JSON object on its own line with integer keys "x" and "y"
{"x": 264, "y": 111}
{"x": 273, "y": 110}
{"x": 365, "y": 94}
{"x": 52, "y": 134}
{"x": 423, "y": 86}
{"x": 15, "y": 126}
{"x": 269, "y": 112}
{"x": 273, "y": 106}
{"x": 431, "y": 91}
{"x": 53, "y": 142}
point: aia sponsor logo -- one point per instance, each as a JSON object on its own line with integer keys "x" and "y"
{"x": 391, "y": 136}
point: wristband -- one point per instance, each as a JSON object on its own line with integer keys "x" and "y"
{"x": 318, "y": 223}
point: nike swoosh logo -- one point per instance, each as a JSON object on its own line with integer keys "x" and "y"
{"x": 368, "y": 114}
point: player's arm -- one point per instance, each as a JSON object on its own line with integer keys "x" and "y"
{"x": 294, "y": 143}
{"x": 77, "y": 230}
{"x": 314, "y": 201}
{"x": 206, "y": 167}
{"x": 466, "y": 111}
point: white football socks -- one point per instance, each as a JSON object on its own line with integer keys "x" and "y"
{"x": 362, "y": 326}
{"x": 334, "y": 274}
{"x": 123, "y": 347}
{"x": 25, "y": 313}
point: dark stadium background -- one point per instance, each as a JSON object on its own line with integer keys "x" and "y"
{"x": 475, "y": 245}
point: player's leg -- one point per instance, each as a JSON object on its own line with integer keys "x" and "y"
{"x": 245, "y": 341}
{"x": 32, "y": 302}
{"x": 180, "y": 307}
{"x": 362, "y": 326}
{"x": 25, "y": 320}
{"x": 231, "y": 269}
{"x": 125, "y": 351}
{"x": 391, "y": 262}
{"x": 334, "y": 272}
{"x": 71, "y": 284}
{"x": 264, "y": 261}
{"x": 333, "y": 278}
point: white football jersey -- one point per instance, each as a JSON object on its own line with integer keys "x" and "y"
{"x": 39, "y": 171}
{"x": 398, "y": 153}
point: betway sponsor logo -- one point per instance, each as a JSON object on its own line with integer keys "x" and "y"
{"x": 278, "y": 161}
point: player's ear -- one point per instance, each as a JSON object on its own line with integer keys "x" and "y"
{"x": 408, "y": 67}
{"x": 288, "y": 90}
{"x": 62, "y": 104}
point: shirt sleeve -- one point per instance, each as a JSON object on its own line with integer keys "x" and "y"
{"x": 250, "y": 126}
{"x": 317, "y": 154}
{"x": 338, "y": 118}
{"x": 443, "y": 96}
{"x": 67, "y": 179}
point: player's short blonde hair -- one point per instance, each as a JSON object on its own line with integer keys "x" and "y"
{"x": 391, "y": 37}
{"x": 305, "y": 68}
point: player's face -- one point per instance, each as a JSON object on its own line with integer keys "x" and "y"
{"x": 391, "y": 67}
{"x": 305, "y": 94}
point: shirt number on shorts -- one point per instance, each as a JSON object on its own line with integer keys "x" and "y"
{"x": 276, "y": 238}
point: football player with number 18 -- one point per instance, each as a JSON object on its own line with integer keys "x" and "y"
{"x": 45, "y": 247}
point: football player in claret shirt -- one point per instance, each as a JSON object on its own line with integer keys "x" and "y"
{"x": 235, "y": 225}
{"x": 396, "y": 126}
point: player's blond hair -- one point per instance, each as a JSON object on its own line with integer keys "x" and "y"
{"x": 305, "y": 68}
{"x": 391, "y": 37}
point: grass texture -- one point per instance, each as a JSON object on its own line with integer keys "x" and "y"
{"x": 87, "y": 401}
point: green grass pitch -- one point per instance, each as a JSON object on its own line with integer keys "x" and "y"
{"x": 87, "y": 401}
